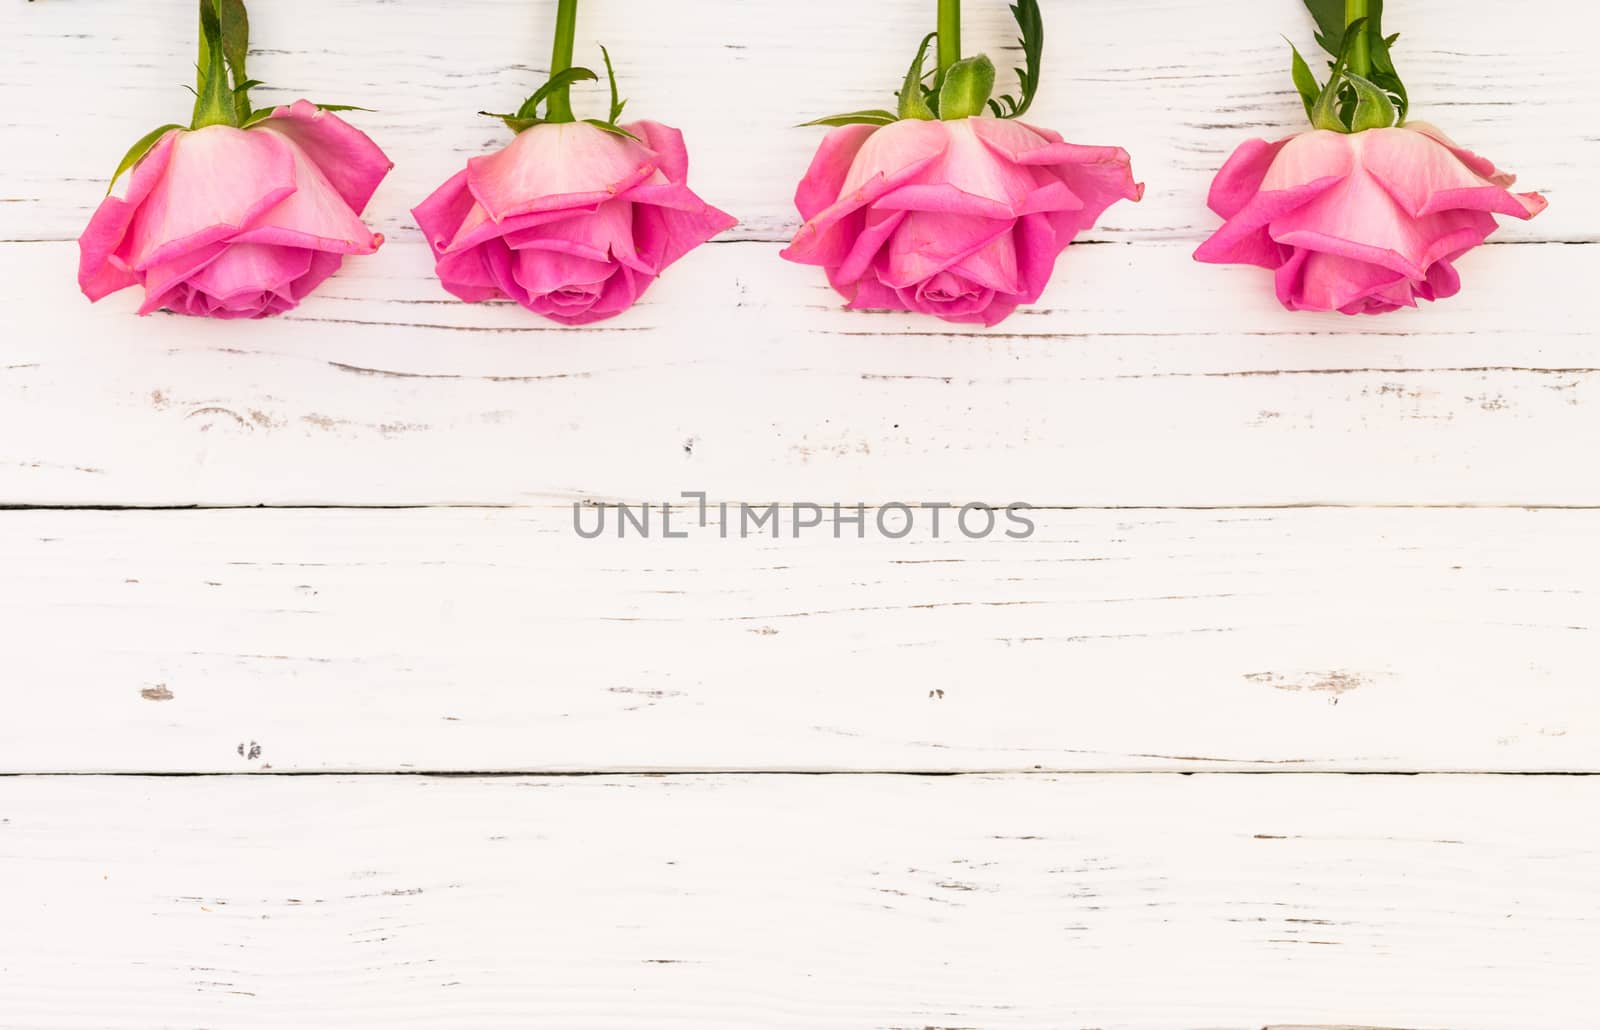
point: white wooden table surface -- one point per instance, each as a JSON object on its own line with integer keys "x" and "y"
{"x": 315, "y": 712}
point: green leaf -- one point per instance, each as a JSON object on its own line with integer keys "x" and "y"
{"x": 137, "y": 152}
{"x": 1385, "y": 75}
{"x": 342, "y": 107}
{"x": 1374, "y": 109}
{"x": 530, "y": 106}
{"x": 874, "y": 117}
{"x": 913, "y": 104}
{"x": 1325, "y": 113}
{"x": 613, "y": 128}
{"x": 966, "y": 89}
{"x": 1031, "y": 22}
{"x": 1304, "y": 81}
{"x": 1330, "y": 24}
{"x": 235, "y": 23}
{"x": 616, "y": 104}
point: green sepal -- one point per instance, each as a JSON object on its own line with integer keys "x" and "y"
{"x": 1304, "y": 81}
{"x": 913, "y": 104}
{"x": 235, "y": 24}
{"x": 514, "y": 123}
{"x": 874, "y": 117}
{"x": 617, "y": 104}
{"x": 1031, "y": 21}
{"x": 613, "y": 128}
{"x": 214, "y": 102}
{"x": 1374, "y": 109}
{"x": 137, "y": 152}
{"x": 1385, "y": 77}
{"x": 1325, "y": 113}
{"x": 966, "y": 89}
{"x": 562, "y": 79}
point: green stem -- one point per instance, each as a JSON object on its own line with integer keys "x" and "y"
{"x": 213, "y": 103}
{"x": 558, "y": 106}
{"x": 949, "y": 34}
{"x": 1360, "y": 52}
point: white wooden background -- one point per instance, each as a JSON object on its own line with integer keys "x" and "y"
{"x": 445, "y": 765}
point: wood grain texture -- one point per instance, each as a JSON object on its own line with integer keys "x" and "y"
{"x": 739, "y": 376}
{"x": 1143, "y": 902}
{"x": 469, "y": 640}
{"x": 1178, "y": 83}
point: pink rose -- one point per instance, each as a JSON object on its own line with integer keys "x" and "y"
{"x": 237, "y": 223}
{"x": 1363, "y": 222}
{"x": 962, "y": 219}
{"x": 569, "y": 220}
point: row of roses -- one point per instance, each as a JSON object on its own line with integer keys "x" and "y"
{"x": 947, "y": 205}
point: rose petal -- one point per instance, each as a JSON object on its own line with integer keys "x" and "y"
{"x": 1240, "y": 178}
{"x": 927, "y": 244}
{"x": 315, "y": 216}
{"x": 552, "y": 167}
{"x": 1426, "y": 176}
{"x": 824, "y": 180}
{"x": 891, "y": 157}
{"x": 441, "y": 215}
{"x": 102, "y": 270}
{"x": 348, "y": 157}
{"x": 666, "y": 144}
{"x": 218, "y": 182}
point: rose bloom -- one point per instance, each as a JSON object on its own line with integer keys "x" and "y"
{"x": 961, "y": 219}
{"x": 1361, "y": 223}
{"x": 237, "y": 223}
{"x": 569, "y": 220}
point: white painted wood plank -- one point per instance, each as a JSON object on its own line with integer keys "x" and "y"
{"x": 1179, "y": 83}
{"x": 497, "y": 640}
{"x": 379, "y": 393}
{"x": 1141, "y": 903}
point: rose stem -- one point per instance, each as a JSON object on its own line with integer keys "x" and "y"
{"x": 1360, "y": 55}
{"x": 558, "y": 106}
{"x": 950, "y": 33}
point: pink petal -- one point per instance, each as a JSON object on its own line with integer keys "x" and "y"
{"x": 352, "y": 163}
{"x": 315, "y": 216}
{"x": 102, "y": 270}
{"x": 663, "y": 235}
{"x": 1240, "y": 179}
{"x": 249, "y": 270}
{"x": 1246, "y": 238}
{"x": 557, "y": 166}
{"x": 867, "y": 294}
{"x": 993, "y": 266}
{"x": 928, "y": 244}
{"x": 323, "y": 265}
{"x": 166, "y": 284}
{"x": 986, "y": 157}
{"x": 877, "y": 229}
{"x": 1426, "y": 176}
{"x": 1097, "y": 176}
{"x": 891, "y": 157}
{"x": 543, "y": 271}
{"x": 666, "y": 143}
{"x": 1359, "y": 219}
{"x": 824, "y": 180}
{"x": 1331, "y": 282}
{"x": 219, "y": 181}
{"x": 466, "y": 274}
{"x": 441, "y": 215}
